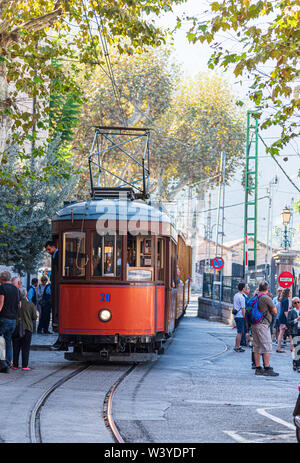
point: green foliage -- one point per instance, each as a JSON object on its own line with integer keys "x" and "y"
{"x": 26, "y": 209}
{"x": 191, "y": 122}
{"x": 269, "y": 33}
{"x": 35, "y": 35}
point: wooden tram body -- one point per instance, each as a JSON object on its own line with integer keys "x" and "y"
{"x": 116, "y": 292}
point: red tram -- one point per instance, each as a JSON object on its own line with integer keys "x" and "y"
{"x": 117, "y": 291}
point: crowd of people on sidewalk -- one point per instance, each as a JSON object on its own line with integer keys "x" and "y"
{"x": 279, "y": 322}
{"x": 19, "y": 311}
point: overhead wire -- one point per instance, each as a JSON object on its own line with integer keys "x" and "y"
{"x": 282, "y": 169}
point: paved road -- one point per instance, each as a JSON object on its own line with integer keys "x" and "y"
{"x": 200, "y": 390}
{"x": 203, "y": 391}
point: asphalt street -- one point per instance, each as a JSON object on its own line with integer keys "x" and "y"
{"x": 199, "y": 391}
{"x": 203, "y": 391}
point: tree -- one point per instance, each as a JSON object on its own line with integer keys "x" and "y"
{"x": 144, "y": 83}
{"x": 269, "y": 33}
{"x": 28, "y": 44}
{"x": 191, "y": 122}
{"x": 203, "y": 120}
{"x": 25, "y": 218}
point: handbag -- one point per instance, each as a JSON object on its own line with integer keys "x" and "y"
{"x": 20, "y": 330}
{"x": 2, "y": 348}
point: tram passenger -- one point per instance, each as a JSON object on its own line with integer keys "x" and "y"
{"x": 96, "y": 266}
{"x": 22, "y": 344}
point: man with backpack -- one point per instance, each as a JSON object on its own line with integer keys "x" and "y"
{"x": 260, "y": 310}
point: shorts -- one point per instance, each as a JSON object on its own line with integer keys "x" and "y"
{"x": 262, "y": 341}
{"x": 276, "y": 324}
{"x": 240, "y": 324}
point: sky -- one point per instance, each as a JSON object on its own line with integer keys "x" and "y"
{"x": 193, "y": 59}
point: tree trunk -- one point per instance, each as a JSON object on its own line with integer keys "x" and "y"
{"x": 4, "y": 119}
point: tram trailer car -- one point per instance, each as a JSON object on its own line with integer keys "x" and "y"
{"x": 115, "y": 297}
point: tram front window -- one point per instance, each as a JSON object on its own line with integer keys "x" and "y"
{"x": 106, "y": 256}
{"x": 74, "y": 258}
{"x": 140, "y": 258}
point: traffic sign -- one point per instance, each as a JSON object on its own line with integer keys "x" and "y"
{"x": 218, "y": 263}
{"x": 285, "y": 279}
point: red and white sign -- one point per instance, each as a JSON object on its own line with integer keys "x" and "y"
{"x": 285, "y": 279}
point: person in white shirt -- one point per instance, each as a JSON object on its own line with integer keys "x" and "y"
{"x": 239, "y": 312}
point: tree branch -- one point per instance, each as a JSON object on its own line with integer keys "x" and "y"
{"x": 33, "y": 25}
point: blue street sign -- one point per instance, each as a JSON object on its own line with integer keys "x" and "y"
{"x": 218, "y": 263}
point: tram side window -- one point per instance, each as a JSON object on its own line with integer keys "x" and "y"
{"x": 74, "y": 257}
{"x": 160, "y": 258}
{"x": 106, "y": 255}
{"x": 174, "y": 265}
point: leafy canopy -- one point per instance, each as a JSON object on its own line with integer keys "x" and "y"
{"x": 269, "y": 36}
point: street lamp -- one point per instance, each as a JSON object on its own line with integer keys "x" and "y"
{"x": 286, "y": 217}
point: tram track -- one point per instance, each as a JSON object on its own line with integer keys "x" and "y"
{"x": 35, "y": 434}
{"x": 35, "y": 425}
{"x": 35, "y": 431}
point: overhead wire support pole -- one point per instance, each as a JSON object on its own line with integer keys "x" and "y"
{"x": 250, "y": 216}
{"x": 220, "y": 193}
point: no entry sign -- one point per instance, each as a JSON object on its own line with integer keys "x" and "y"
{"x": 218, "y": 263}
{"x": 285, "y": 279}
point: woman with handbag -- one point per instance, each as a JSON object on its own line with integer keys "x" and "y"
{"x": 23, "y": 333}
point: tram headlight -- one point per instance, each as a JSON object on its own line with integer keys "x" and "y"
{"x": 105, "y": 315}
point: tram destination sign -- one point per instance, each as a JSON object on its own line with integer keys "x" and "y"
{"x": 218, "y": 263}
{"x": 285, "y": 279}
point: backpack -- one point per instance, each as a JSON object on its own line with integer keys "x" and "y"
{"x": 253, "y": 314}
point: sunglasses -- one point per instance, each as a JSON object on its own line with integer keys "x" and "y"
{"x": 297, "y": 302}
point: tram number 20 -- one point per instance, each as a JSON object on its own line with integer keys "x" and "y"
{"x": 105, "y": 297}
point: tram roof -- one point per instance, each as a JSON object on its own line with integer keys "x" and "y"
{"x": 111, "y": 209}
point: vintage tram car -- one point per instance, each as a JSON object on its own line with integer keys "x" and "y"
{"x": 117, "y": 292}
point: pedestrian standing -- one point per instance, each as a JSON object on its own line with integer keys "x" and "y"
{"x": 45, "y": 311}
{"x": 284, "y": 308}
{"x": 246, "y": 335}
{"x": 277, "y": 305}
{"x": 262, "y": 342}
{"x": 9, "y": 312}
{"x": 22, "y": 344}
{"x": 293, "y": 321}
{"x": 16, "y": 282}
{"x": 51, "y": 248}
{"x": 39, "y": 294}
{"x": 239, "y": 313}
{"x": 32, "y": 296}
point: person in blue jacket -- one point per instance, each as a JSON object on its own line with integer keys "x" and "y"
{"x": 284, "y": 308}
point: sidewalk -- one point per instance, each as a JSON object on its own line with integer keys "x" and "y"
{"x": 43, "y": 341}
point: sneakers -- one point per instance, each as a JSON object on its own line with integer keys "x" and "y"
{"x": 239, "y": 349}
{"x": 259, "y": 371}
{"x": 268, "y": 371}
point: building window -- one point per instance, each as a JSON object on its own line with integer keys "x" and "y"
{"x": 74, "y": 256}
